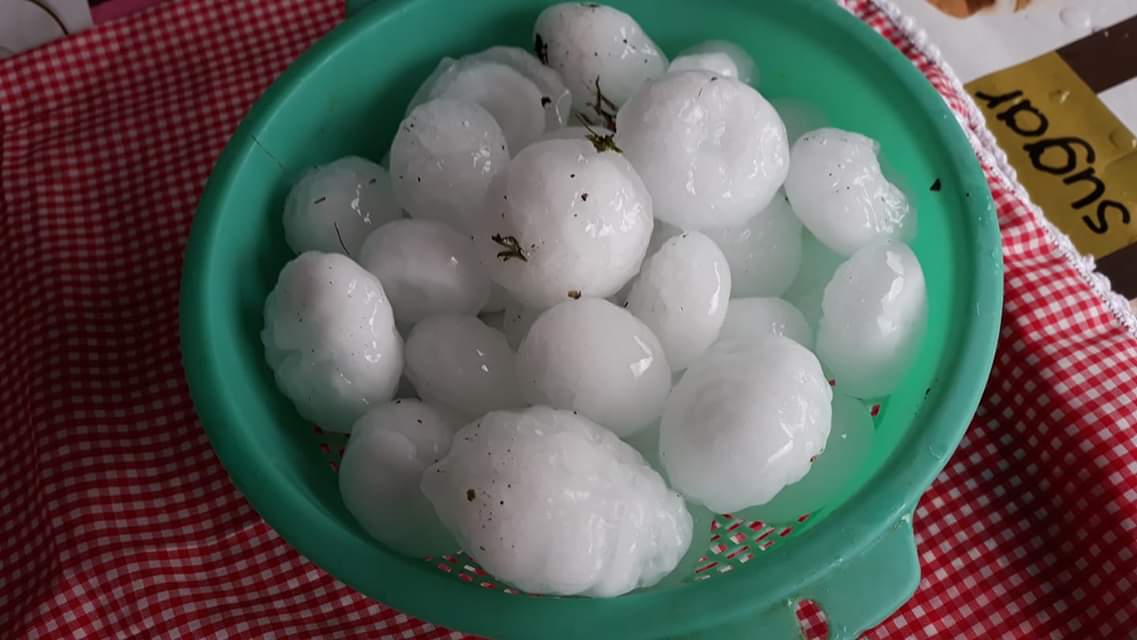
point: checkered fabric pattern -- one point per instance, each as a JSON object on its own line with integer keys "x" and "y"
{"x": 116, "y": 520}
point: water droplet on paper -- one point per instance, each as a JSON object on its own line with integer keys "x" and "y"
{"x": 1123, "y": 139}
{"x": 1060, "y": 96}
{"x": 1075, "y": 18}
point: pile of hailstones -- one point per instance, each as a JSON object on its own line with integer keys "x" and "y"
{"x": 567, "y": 285}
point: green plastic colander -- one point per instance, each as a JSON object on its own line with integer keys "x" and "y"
{"x": 856, "y": 557}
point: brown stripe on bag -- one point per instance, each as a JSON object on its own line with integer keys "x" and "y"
{"x": 1105, "y": 58}
{"x": 1121, "y": 269}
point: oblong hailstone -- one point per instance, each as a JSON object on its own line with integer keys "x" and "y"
{"x": 332, "y": 208}
{"x": 381, "y": 472}
{"x": 443, "y": 158}
{"x": 427, "y": 268}
{"x": 591, "y": 356}
{"x": 681, "y": 294}
{"x": 330, "y": 338}
{"x": 460, "y": 363}
{"x": 556, "y": 98}
{"x": 719, "y": 57}
{"x": 873, "y": 317}
{"x": 846, "y": 451}
{"x": 593, "y": 46}
{"x": 743, "y": 422}
{"x": 710, "y": 149}
{"x": 764, "y": 254}
{"x": 818, "y": 263}
{"x": 500, "y": 83}
{"x": 837, "y": 189}
{"x": 553, "y": 503}
{"x": 564, "y": 221}
{"x": 755, "y": 319}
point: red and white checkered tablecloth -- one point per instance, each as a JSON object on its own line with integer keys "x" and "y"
{"x": 116, "y": 519}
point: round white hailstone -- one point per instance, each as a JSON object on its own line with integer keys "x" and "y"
{"x": 330, "y": 338}
{"x": 744, "y": 422}
{"x": 829, "y": 477}
{"x": 517, "y": 321}
{"x": 498, "y": 299}
{"x": 564, "y": 221}
{"x": 381, "y": 471}
{"x": 837, "y": 189}
{"x": 576, "y": 133}
{"x": 719, "y": 57}
{"x": 333, "y": 207}
{"x": 755, "y": 319}
{"x": 818, "y": 263}
{"x": 460, "y": 363}
{"x": 681, "y": 294}
{"x": 443, "y": 159}
{"x": 710, "y": 149}
{"x": 514, "y": 101}
{"x": 556, "y": 98}
{"x": 594, "y": 357}
{"x": 426, "y": 268}
{"x": 765, "y": 253}
{"x": 553, "y": 503}
{"x": 873, "y": 317}
{"x": 596, "y": 47}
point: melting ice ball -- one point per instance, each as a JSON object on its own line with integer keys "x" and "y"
{"x": 553, "y": 503}
{"x": 873, "y": 317}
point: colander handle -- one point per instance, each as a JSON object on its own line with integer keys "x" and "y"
{"x": 856, "y": 595}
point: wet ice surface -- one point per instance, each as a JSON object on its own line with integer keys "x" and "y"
{"x": 755, "y": 319}
{"x": 552, "y": 503}
{"x": 460, "y": 363}
{"x": 426, "y": 269}
{"x": 681, "y": 294}
{"x": 765, "y": 253}
{"x": 564, "y": 221}
{"x": 329, "y": 336}
{"x": 836, "y": 187}
{"x": 846, "y": 452}
{"x": 443, "y": 158}
{"x": 591, "y": 46}
{"x": 711, "y": 150}
{"x": 719, "y": 57}
{"x": 874, "y": 314}
{"x": 332, "y": 208}
{"x": 743, "y": 422}
{"x": 380, "y": 474}
{"x": 591, "y": 356}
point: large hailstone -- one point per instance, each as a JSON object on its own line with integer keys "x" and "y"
{"x": 873, "y": 317}
{"x": 330, "y": 338}
{"x": 745, "y": 421}
{"x": 681, "y": 294}
{"x": 846, "y": 451}
{"x": 443, "y": 158}
{"x": 552, "y": 503}
{"x": 381, "y": 471}
{"x": 719, "y": 57}
{"x": 564, "y": 221}
{"x": 594, "y": 357}
{"x": 525, "y": 97}
{"x": 333, "y": 207}
{"x": 710, "y": 149}
{"x": 764, "y": 254}
{"x": 426, "y": 269}
{"x": 755, "y": 319}
{"x": 602, "y": 54}
{"x": 837, "y": 189}
{"x": 461, "y": 364}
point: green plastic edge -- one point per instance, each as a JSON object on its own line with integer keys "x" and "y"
{"x": 862, "y": 523}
